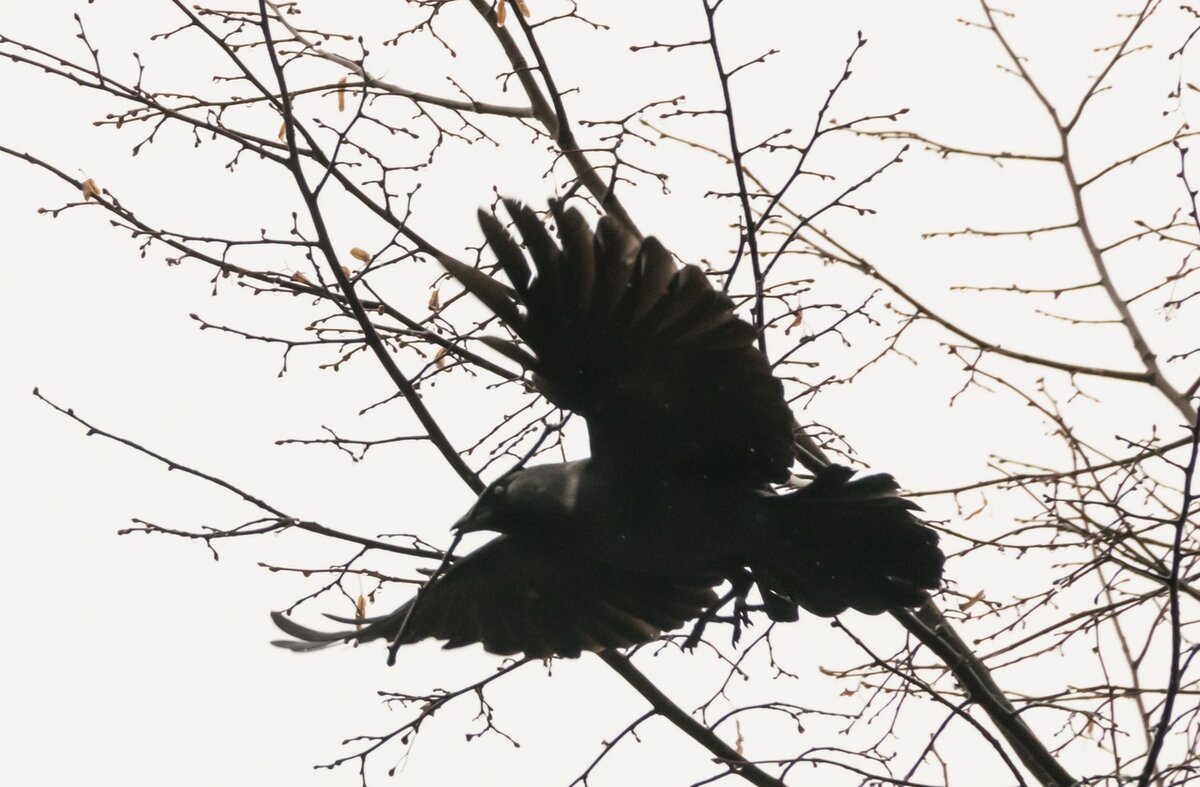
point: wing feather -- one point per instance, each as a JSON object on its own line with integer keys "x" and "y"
{"x": 518, "y": 594}
{"x": 494, "y": 295}
{"x": 507, "y": 251}
{"x": 666, "y": 375}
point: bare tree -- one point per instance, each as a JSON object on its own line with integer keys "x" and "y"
{"x": 1059, "y": 652}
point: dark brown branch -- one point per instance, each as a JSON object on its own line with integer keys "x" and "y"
{"x": 402, "y": 383}
{"x": 371, "y": 81}
{"x": 1021, "y": 478}
{"x": 1175, "y": 674}
{"x": 684, "y": 721}
{"x": 551, "y": 114}
{"x": 283, "y": 520}
{"x": 930, "y": 626}
{"x": 748, "y": 242}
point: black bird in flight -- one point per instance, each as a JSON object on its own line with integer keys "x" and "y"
{"x": 689, "y": 434}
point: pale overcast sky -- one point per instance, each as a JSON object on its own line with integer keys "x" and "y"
{"x": 142, "y": 661}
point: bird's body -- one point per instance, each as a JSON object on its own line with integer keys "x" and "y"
{"x": 691, "y": 437}
{"x": 664, "y": 524}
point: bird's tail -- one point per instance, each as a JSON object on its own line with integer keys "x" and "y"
{"x": 849, "y": 542}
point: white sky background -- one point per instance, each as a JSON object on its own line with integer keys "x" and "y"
{"x": 139, "y": 660}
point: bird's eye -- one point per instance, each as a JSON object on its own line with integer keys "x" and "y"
{"x": 499, "y": 491}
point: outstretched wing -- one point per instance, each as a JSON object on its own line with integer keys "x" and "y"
{"x": 519, "y": 594}
{"x": 649, "y": 353}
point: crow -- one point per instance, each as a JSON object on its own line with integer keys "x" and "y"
{"x": 687, "y": 485}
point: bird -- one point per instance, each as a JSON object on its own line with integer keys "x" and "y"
{"x": 689, "y": 481}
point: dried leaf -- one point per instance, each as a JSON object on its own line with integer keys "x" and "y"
{"x": 362, "y": 255}
{"x": 360, "y": 608}
{"x": 439, "y": 360}
{"x": 847, "y": 693}
{"x": 737, "y": 744}
{"x": 983, "y": 507}
{"x": 796, "y": 321}
{"x": 346, "y": 272}
{"x": 90, "y": 189}
{"x": 501, "y": 12}
{"x": 283, "y": 131}
{"x": 970, "y": 602}
{"x": 341, "y": 94}
{"x": 300, "y": 277}
{"x": 435, "y": 300}
{"x": 524, "y": 9}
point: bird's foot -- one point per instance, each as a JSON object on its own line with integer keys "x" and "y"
{"x": 742, "y": 583}
{"x": 741, "y": 617}
{"x": 693, "y": 639}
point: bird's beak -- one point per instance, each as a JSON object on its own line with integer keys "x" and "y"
{"x": 478, "y": 517}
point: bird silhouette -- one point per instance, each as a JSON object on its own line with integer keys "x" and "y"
{"x": 688, "y": 482}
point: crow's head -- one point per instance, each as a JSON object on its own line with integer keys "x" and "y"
{"x": 525, "y": 500}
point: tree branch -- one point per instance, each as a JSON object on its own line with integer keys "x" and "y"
{"x": 685, "y": 722}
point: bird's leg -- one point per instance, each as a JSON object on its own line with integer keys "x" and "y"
{"x": 741, "y": 583}
{"x": 707, "y": 617}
